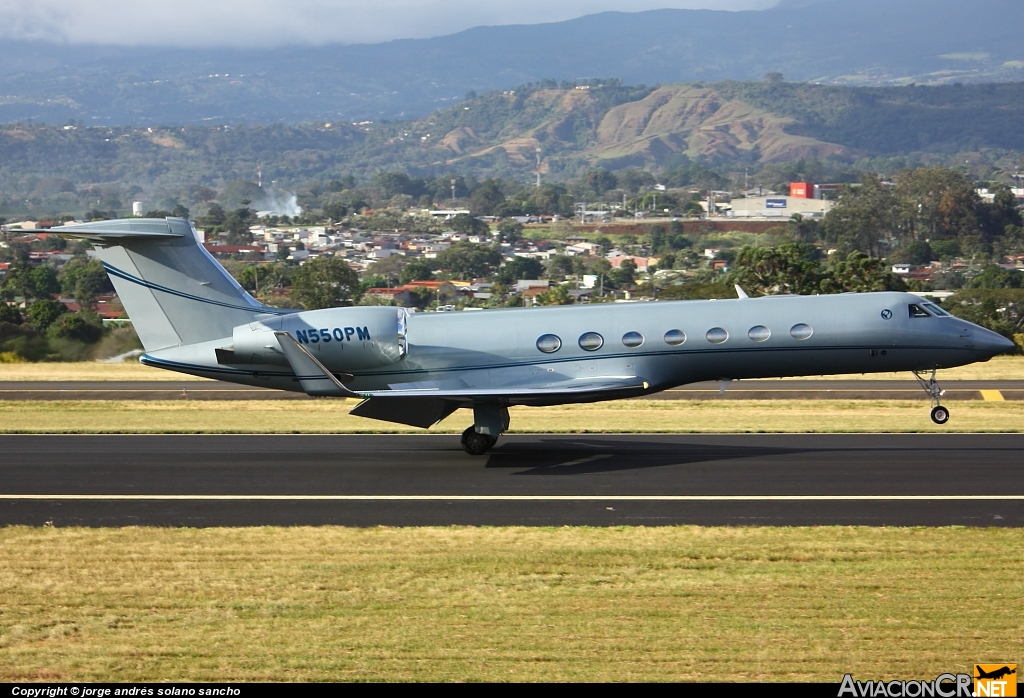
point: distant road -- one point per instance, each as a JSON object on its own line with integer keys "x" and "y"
{"x": 533, "y": 480}
{"x": 738, "y": 390}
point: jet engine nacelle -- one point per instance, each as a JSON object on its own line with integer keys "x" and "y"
{"x": 342, "y": 339}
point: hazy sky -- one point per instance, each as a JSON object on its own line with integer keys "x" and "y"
{"x": 275, "y": 22}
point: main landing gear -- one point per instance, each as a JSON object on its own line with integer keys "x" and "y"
{"x": 489, "y": 422}
{"x": 477, "y": 444}
{"x": 940, "y": 414}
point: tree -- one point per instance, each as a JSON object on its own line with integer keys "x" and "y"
{"x": 468, "y": 225}
{"x": 18, "y": 281}
{"x": 391, "y": 183}
{"x": 78, "y": 327}
{"x": 416, "y": 270}
{"x": 600, "y": 181}
{"x": 469, "y": 260}
{"x": 510, "y": 229}
{"x": 939, "y": 203}
{"x": 657, "y": 239}
{"x": 335, "y": 210}
{"x": 486, "y": 199}
{"x": 635, "y": 180}
{"x": 44, "y": 313}
{"x": 84, "y": 279}
{"x": 858, "y": 272}
{"x": 237, "y": 225}
{"x": 625, "y": 275}
{"x": 994, "y": 276}
{"x": 864, "y": 218}
{"x": 917, "y": 252}
{"x": 556, "y": 295}
{"x": 9, "y": 314}
{"x": 261, "y": 278}
{"x": 802, "y": 229}
{"x": 324, "y": 282}
{"x": 559, "y": 267}
{"x": 214, "y": 217}
{"x": 44, "y": 281}
{"x": 788, "y": 268}
{"x": 240, "y": 193}
{"x": 520, "y": 268}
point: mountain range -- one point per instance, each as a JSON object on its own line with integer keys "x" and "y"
{"x": 837, "y": 42}
{"x": 729, "y": 124}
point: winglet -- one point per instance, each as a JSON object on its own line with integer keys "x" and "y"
{"x": 740, "y": 293}
{"x": 313, "y": 377}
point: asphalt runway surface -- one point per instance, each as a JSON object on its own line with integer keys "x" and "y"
{"x": 737, "y": 390}
{"x": 551, "y": 480}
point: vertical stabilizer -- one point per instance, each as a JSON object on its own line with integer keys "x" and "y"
{"x": 174, "y": 291}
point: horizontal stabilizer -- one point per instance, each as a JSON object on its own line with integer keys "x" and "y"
{"x": 118, "y": 232}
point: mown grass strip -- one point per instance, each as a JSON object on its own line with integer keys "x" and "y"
{"x": 492, "y": 604}
{"x": 623, "y": 416}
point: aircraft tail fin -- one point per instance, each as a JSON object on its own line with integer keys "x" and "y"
{"x": 173, "y": 290}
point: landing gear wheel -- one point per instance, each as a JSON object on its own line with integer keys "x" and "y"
{"x": 940, "y": 415}
{"x": 477, "y": 444}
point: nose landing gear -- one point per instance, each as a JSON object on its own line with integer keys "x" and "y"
{"x": 940, "y": 414}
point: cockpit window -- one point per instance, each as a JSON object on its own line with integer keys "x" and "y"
{"x": 935, "y": 310}
{"x": 917, "y": 311}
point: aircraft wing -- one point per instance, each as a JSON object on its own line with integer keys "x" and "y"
{"x": 317, "y": 380}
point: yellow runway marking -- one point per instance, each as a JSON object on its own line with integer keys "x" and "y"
{"x": 516, "y": 498}
{"x": 992, "y": 395}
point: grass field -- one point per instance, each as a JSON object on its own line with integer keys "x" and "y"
{"x": 622, "y": 416}
{"x": 999, "y": 368}
{"x": 517, "y": 604}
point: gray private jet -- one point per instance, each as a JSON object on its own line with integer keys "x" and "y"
{"x": 418, "y": 368}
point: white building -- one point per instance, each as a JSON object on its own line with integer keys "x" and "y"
{"x": 778, "y": 207}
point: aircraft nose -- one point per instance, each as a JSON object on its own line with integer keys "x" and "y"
{"x": 991, "y": 343}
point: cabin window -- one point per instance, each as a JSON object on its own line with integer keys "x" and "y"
{"x": 935, "y": 310}
{"x": 591, "y": 341}
{"x": 675, "y": 337}
{"x": 632, "y": 339}
{"x": 917, "y": 311}
{"x": 759, "y": 333}
{"x": 549, "y": 343}
{"x": 717, "y": 335}
{"x": 801, "y": 331}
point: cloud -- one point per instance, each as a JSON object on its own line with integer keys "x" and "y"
{"x": 252, "y": 23}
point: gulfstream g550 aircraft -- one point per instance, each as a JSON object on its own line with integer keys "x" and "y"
{"x": 418, "y": 368}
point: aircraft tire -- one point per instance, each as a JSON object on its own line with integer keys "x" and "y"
{"x": 940, "y": 414}
{"x": 477, "y": 444}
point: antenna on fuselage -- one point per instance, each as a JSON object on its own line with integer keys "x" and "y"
{"x": 740, "y": 293}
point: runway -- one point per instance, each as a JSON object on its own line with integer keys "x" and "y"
{"x": 549, "y": 480}
{"x": 737, "y": 390}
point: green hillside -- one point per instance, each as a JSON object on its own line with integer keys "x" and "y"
{"x": 726, "y": 125}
